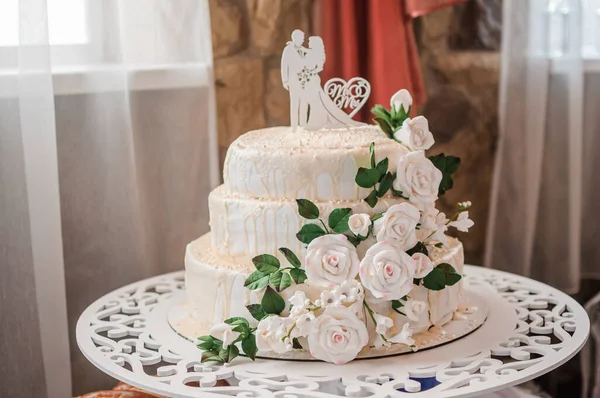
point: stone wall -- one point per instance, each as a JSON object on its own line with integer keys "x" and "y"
{"x": 460, "y": 61}
{"x": 248, "y": 36}
{"x": 458, "y": 48}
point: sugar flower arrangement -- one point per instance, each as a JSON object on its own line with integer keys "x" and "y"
{"x": 328, "y": 304}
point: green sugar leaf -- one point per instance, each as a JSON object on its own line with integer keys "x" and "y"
{"x": 382, "y": 167}
{"x": 266, "y": 263}
{"x": 280, "y": 280}
{"x": 249, "y": 346}
{"x": 338, "y": 220}
{"x": 256, "y": 280}
{"x": 372, "y": 154}
{"x": 272, "y": 302}
{"x": 309, "y": 232}
{"x": 418, "y": 248}
{"x": 298, "y": 275}
{"x": 367, "y": 178}
{"x": 452, "y": 277}
{"x": 257, "y": 312}
{"x": 307, "y": 209}
{"x": 372, "y": 198}
{"x": 290, "y": 256}
{"x": 385, "y": 184}
{"x": 435, "y": 280}
{"x": 382, "y": 113}
{"x": 448, "y": 166}
{"x": 384, "y": 126}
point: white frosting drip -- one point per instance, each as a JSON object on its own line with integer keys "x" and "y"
{"x": 278, "y": 163}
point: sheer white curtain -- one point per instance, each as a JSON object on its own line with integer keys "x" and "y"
{"x": 107, "y": 154}
{"x": 546, "y": 189}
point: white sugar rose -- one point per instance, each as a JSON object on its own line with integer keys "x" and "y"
{"x": 330, "y": 260}
{"x": 387, "y": 272}
{"x": 271, "y": 335}
{"x": 359, "y": 224}
{"x": 337, "y": 335}
{"x": 414, "y": 308}
{"x": 398, "y": 226}
{"x": 401, "y": 98}
{"x": 225, "y": 333}
{"x": 415, "y": 134}
{"x": 423, "y": 265}
{"x": 417, "y": 178}
{"x": 462, "y": 223}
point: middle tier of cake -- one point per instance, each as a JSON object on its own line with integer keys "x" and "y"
{"x": 245, "y": 227}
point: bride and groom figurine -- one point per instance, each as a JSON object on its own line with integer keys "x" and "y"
{"x": 310, "y": 106}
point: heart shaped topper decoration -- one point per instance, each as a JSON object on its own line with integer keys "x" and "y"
{"x": 312, "y": 106}
{"x": 349, "y": 96}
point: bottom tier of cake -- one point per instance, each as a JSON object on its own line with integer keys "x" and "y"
{"x": 215, "y": 288}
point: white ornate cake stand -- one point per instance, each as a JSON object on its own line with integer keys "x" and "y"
{"x": 531, "y": 329}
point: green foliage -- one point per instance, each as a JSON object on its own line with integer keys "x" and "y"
{"x": 448, "y": 166}
{"x": 441, "y": 276}
{"x": 367, "y": 178}
{"x": 280, "y": 280}
{"x": 338, "y": 220}
{"x": 307, "y": 209}
{"x": 309, "y": 232}
{"x": 257, "y": 280}
{"x": 257, "y": 311}
{"x": 418, "y": 248}
{"x": 290, "y": 257}
{"x": 385, "y": 184}
{"x": 298, "y": 275}
{"x": 249, "y": 347}
{"x": 372, "y": 198}
{"x": 266, "y": 263}
{"x": 272, "y": 302}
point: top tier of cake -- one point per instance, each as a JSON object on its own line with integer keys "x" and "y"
{"x": 279, "y": 163}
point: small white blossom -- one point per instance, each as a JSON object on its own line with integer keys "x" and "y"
{"x": 462, "y": 223}
{"x": 225, "y": 333}
{"x": 359, "y": 224}
{"x": 304, "y": 325}
{"x": 402, "y": 98}
{"x": 464, "y": 205}
{"x": 404, "y": 337}
{"x": 298, "y": 302}
{"x": 383, "y": 323}
{"x": 271, "y": 334}
{"x": 414, "y": 308}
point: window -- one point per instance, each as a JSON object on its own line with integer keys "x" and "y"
{"x": 71, "y": 32}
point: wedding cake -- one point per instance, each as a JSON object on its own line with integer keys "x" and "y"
{"x": 325, "y": 241}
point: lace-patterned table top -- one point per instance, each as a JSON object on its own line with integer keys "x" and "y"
{"x": 531, "y": 329}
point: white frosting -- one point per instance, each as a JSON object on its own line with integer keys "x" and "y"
{"x": 215, "y": 285}
{"x": 244, "y": 227}
{"x": 278, "y": 163}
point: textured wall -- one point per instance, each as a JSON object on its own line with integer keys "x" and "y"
{"x": 458, "y": 48}
{"x": 248, "y": 37}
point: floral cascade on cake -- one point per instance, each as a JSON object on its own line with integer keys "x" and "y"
{"x": 360, "y": 280}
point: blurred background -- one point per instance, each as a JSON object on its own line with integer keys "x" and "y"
{"x": 115, "y": 117}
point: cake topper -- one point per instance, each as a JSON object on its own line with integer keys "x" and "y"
{"x": 312, "y": 106}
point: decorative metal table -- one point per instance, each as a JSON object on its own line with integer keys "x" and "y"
{"x": 531, "y": 329}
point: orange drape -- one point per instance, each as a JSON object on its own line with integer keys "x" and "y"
{"x": 374, "y": 39}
